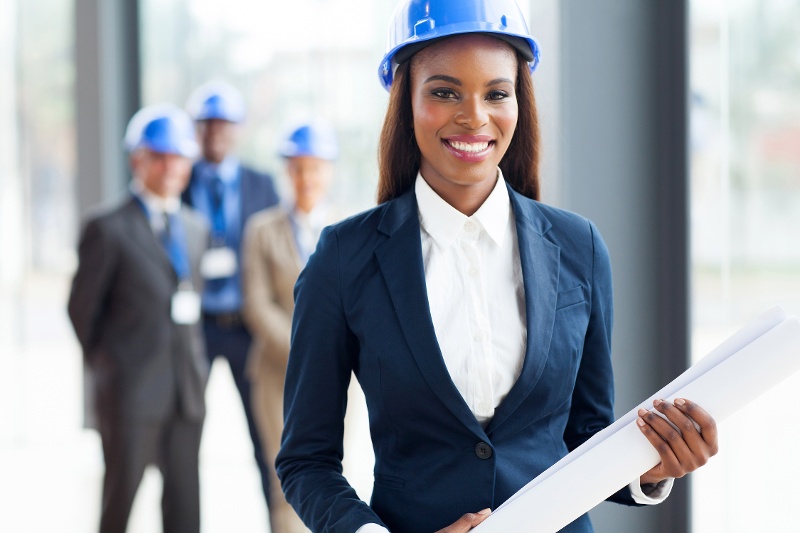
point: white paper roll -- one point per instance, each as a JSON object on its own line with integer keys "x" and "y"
{"x": 752, "y": 361}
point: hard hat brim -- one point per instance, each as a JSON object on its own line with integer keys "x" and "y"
{"x": 525, "y": 44}
{"x": 520, "y": 44}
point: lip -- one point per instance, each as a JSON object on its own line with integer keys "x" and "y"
{"x": 469, "y": 156}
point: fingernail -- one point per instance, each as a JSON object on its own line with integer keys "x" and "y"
{"x": 680, "y": 401}
{"x": 642, "y": 412}
{"x": 640, "y": 422}
{"x": 656, "y": 402}
{"x": 485, "y": 511}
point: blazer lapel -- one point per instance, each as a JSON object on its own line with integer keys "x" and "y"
{"x": 400, "y": 260}
{"x": 142, "y": 234}
{"x": 290, "y": 243}
{"x": 540, "y": 261}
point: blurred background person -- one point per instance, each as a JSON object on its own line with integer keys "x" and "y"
{"x": 277, "y": 244}
{"x": 226, "y": 192}
{"x": 135, "y": 309}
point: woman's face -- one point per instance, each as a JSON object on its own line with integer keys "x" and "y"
{"x": 465, "y": 111}
{"x": 310, "y": 179}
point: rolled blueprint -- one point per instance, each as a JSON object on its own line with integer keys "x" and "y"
{"x": 752, "y": 361}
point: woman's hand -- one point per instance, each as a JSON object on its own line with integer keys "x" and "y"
{"x": 681, "y": 451}
{"x": 466, "y": 522}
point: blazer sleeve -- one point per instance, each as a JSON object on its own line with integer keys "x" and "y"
{"x": 262, "y": 313}
{"x": 593, "y": 397}
{"x": 315, "y": 396}
{"x": 89, "y": 286}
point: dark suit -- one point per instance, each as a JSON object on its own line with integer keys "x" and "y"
{"x": 257, "y": 192}
{"x": 149, "y": 373}
{"x": 227, "y": 334}
{"x": 361, "y": 304}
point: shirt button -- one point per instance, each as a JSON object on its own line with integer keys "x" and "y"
{"x": 483, "y": 406}
{"x": 469, "y": 226}
{"x": 479, "y": 336}
{"x": 483, "y": 450}
{"x": 473, "y": 272}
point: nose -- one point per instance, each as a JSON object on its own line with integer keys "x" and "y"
{"x": 472, "y": 113}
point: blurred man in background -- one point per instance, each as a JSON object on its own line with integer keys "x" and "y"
{"x": 135, "y": 308}
{"x": 226, "y": 192}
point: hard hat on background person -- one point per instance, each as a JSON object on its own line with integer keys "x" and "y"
{"x": 216, "y": 100}
{"x": 312, "y": 139}
{"x": 416, "y": 23}
{"x": 162, "y": 128}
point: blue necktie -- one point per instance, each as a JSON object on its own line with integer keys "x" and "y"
{"x": 173, "y": 241}
{"x": 217, "y": 193}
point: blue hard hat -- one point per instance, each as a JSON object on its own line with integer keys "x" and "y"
{"x": 162, "y": 128}
{"x": 312, "y": 139}
{"x": 417, "y": 22}
{"x": 216, "y": 100}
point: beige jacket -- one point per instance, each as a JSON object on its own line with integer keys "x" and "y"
{"x": 270, "y": 267}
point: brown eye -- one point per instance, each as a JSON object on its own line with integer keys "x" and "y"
{"x": 497, "y": 95}
{"x": 443, "y": 93}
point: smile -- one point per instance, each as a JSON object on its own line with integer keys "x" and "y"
{"x": 469, "y": 147}
{"x": 471, "y": 152}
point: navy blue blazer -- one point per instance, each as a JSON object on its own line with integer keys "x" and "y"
{"x": 361, "y": 305}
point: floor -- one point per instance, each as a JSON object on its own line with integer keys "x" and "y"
{"x": 51, "y": 468}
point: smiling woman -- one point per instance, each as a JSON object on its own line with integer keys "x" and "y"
{"x": 476, "y": 319}
{"x": 464, "y": 120}
{"x": 507, "y": 102}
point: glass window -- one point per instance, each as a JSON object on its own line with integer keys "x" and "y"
{"x": 42, "y": 446}
{"x": 745, "y": 211}
{"x": 319, "y": 57}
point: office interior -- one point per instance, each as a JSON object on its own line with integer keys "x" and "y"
{"x": 673, "y": 124}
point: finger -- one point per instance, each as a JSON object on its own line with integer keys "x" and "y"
{"x": 690, "y": 433}
{"x": 467, "y": 522}
{"x": 663, "y": 437}
{"x": 688, "y": 446}
{"x": 708, "y": 426}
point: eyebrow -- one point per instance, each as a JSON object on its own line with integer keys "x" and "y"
{"x": 456, "y": 81}
{"x": 442, "y": 77}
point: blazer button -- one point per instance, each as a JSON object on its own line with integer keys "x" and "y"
{"x": 483, "y": 450}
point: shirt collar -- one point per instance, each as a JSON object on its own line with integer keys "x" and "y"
{"x": 227, "y": 170}
{"x": 444, "y": 222}
{"x": 155, "y": 204}
{"x": 315, "y": 219}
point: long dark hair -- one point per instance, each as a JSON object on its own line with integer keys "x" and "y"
{"x": 399, "y": 155}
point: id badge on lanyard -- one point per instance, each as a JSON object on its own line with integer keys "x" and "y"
{"x": 218, "y": 263}
{"x": 185, "y": 307}
{"x": 220, "y": 260}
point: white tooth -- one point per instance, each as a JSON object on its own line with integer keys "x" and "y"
{"x": 469, "y": 147}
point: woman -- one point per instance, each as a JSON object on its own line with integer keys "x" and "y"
{"x": 477, "y": 320}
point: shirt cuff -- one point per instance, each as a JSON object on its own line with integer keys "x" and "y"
{"x": 372, "y": 528}
{"x": 651, "y": 493}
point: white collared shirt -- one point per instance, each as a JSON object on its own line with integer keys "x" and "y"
{"x": 476, "y": 294}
